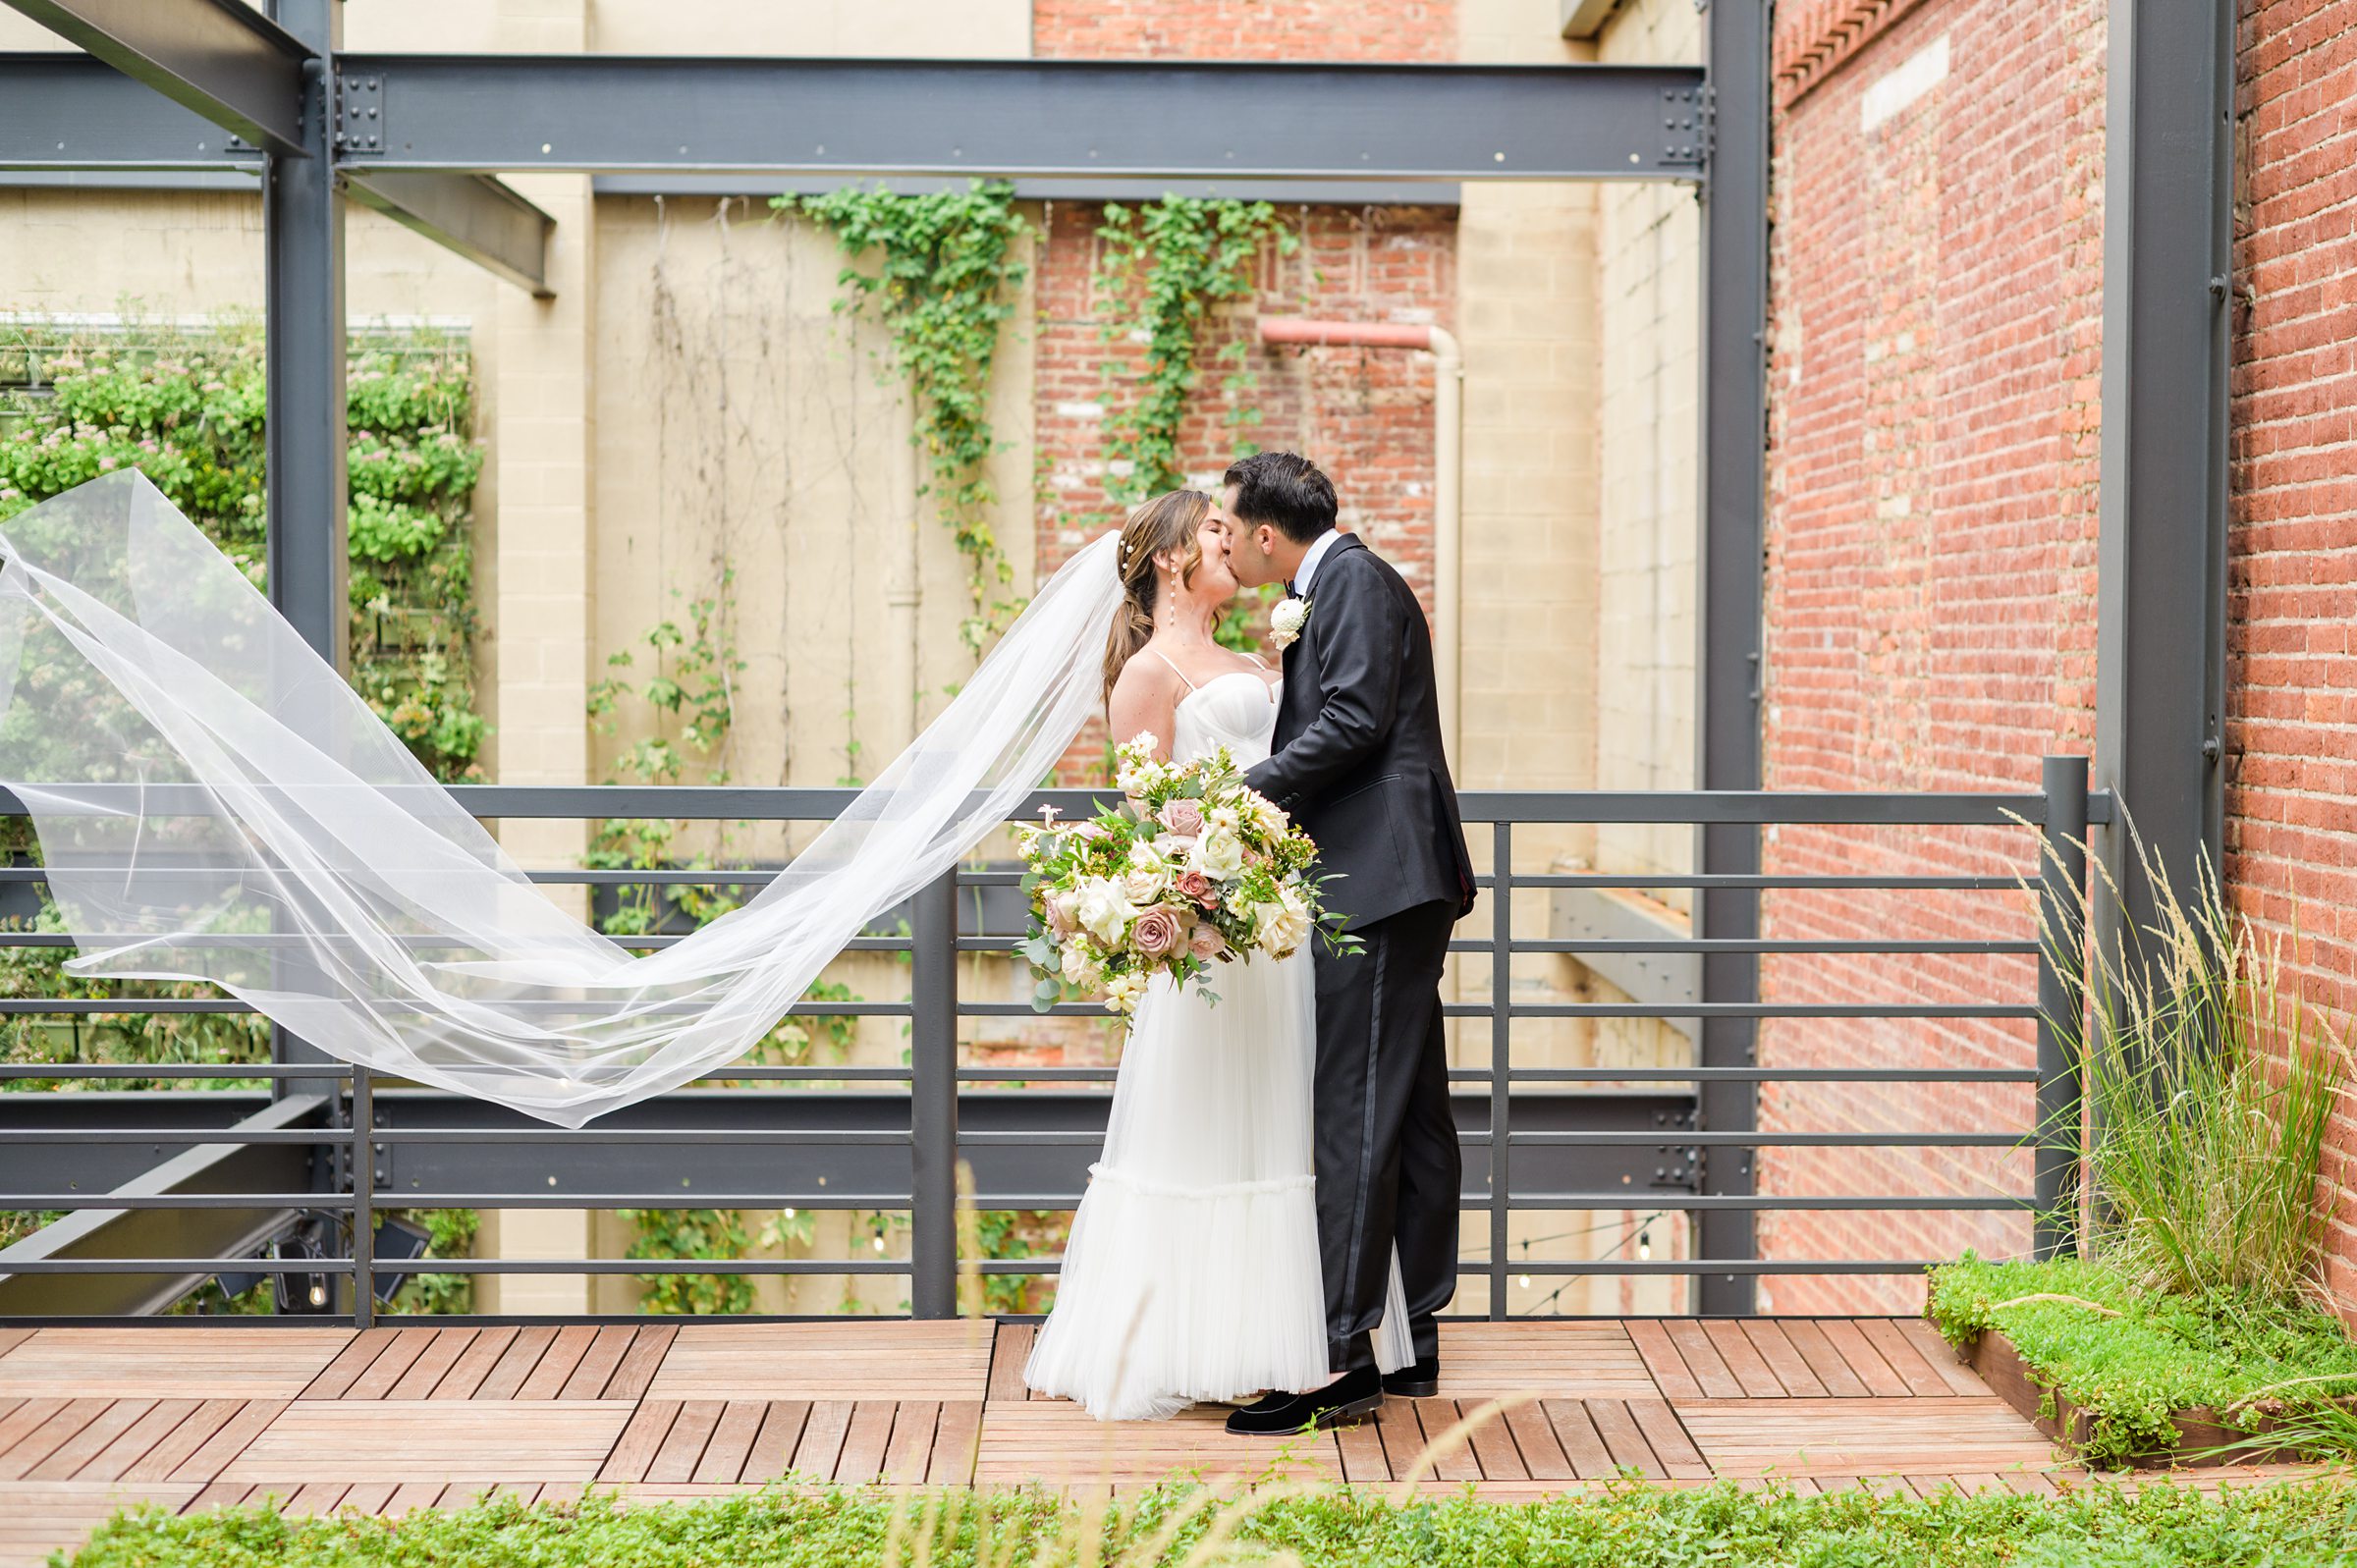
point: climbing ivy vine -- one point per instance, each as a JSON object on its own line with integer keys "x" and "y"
{"x": 1163, "y": 269}
{"x": 936, "y": 270}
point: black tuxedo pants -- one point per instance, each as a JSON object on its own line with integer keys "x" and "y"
{"x": 1388, "y": 1164}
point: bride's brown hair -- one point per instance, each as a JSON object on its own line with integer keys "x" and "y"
{"x": 1171, "y": 521}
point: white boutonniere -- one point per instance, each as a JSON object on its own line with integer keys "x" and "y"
{"x": 1285, "y": 622}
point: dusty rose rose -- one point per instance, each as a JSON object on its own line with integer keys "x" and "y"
{"x": 1196, "y": 886}
{"x": 1206, "y": 942}
{"x": 1157, "y": 933}
{"x": 1183, "y": 817}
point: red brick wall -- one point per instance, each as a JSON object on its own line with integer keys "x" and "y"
{"x": 2291, "y": 738}
{"x": 1365, "y": 417}
{"x": 1936, "y": 300}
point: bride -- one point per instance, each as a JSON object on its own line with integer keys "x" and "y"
{"x": 1192, "y": 1270}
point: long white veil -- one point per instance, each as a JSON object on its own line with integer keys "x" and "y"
{"x": 214, "y": 802}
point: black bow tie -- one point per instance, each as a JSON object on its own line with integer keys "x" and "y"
{"x": 1292, "y": 592}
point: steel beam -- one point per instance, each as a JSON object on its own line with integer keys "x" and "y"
{"x": 200, "y": 1232}
{"x": 70, "y": 111}
{"x": 2161, "y": 557}
{"x": 1733, "y": 578}
{"x": 475, "y": 215}
{"x": 1126, "y": 118}
{"x": 219, "y": 58}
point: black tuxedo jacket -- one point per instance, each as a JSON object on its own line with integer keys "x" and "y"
{"x": 1358, "y": 760}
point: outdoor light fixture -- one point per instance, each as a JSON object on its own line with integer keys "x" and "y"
{"x": 398, "y": 1241}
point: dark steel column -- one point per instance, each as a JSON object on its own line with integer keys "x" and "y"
{"x": 302, "y": 246}
{"x": 2061, "y": 891}
{"x": 933, "y": 1098}
{"x": 1735, "y": 423}
{"x": 2168, "y": 301}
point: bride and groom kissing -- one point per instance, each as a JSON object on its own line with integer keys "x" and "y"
{"x": 1275, "y": 1211}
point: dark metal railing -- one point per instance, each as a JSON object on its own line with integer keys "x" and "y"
{"x": 148, "y": 1179}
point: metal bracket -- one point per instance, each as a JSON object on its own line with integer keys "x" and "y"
{"x": 1689, "y": 121}
{"x": 359, "y": 131}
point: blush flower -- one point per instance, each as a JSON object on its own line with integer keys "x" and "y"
{"x": 1156, "y": 934}
{"x": 1183, "y": 817}
{"x": 1196, "y": 886}
{"x": 1206, "y": 944}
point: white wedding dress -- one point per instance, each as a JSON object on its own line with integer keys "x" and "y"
{"x": 1192, "y": 1268}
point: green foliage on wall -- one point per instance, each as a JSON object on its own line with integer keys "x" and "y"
{"x": 1163, "y": 270}
{"x": 936, "y": 271}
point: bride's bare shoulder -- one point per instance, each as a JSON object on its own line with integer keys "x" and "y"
{"x": 1148, "y": 673}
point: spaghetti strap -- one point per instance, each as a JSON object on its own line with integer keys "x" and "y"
{"x": 1174, "y": 663}
{"x": 1255, "y": 658}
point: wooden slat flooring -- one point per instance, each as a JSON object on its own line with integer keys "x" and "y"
{"x": 396, "y": 1419}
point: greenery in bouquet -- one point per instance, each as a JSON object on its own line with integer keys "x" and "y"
{"x": 1192, "y": 869}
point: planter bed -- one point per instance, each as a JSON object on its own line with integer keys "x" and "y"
{"x": 2126, "y": 1378}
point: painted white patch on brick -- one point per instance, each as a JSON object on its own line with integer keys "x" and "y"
{"x": 1922, "y": 71}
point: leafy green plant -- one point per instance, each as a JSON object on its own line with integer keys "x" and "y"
{"x": 943, "y": 265}
{"x": 1620, "y": 1527}
{"x": 2210, "y": 1083}
{"x": 2129, "y": 1356}
{"x": 1163, "y": 270}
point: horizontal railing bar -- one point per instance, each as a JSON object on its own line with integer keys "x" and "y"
{"x": 1755, "y": 1075}
{"x": 209, "y": 1004}
{"x": 1637, "y": 1073}
{"x": 1735, "y": 1009}
{"x": 1578, "y": 945}
{"x": 178, "y": 1266}
{"x": 641, "y": 1265}
{"x": 1811, "y": 1203}
{"x": 30, "y": 1202}
{"x": 1680, "y": 1138}
{"x": 421, "y": 1135}
{"x": 671, "y": 1199}
{"x": 177, "y": 1069}
{"x": 1723, "y": 1265}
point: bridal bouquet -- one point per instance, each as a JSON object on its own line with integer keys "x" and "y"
{"x": 1191, "y": 869}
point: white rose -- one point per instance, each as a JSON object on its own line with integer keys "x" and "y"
{"x": 1219, "y": 853}
{"x": 1285, "y": 620}
{"x": 1078, "y": 969}
{"x": 1267, "y": 817}
{"x": 1149, "y": 876}
{"x": 1104, "y": 913}
{"x": 1280, "y": 926}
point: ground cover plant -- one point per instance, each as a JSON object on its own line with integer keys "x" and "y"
{"x": 2128, "y": 1356}
{"x": 1623, "y": 1527}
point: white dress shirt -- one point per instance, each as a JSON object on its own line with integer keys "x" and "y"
{"x": 1310, "y": 562}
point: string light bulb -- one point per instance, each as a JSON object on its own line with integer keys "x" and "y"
{"x": 1645, "y": 1244}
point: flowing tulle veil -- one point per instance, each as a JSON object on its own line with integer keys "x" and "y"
{"x": 214, "y": 802}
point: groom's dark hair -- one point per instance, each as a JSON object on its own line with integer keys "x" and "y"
{"x": 1284, "y": 489}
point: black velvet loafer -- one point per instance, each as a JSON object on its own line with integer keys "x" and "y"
{"x": 1347, "y": 1398}
{"x": 1421, "y": 1380}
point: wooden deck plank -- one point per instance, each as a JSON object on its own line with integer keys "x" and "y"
{"x": 517, "y": 1362}
{"x": 315, "y": 1497}
{"x": 911, "y": 1450}
{"x": 1942, "y": 1358}
{"x": 598, "y": 1362}
{"x": 429, "y": 1439}
{"x": 1402, "y": 1434}
{"x": 390, "y": 1364}
{"x": 348, "y": 1363}
{"x": 218, "y": 1495}
{"x": 863, "y": 1445}
{"x": 1871, "y": 1369}
{"x": 637, "y": 1374}
{"x": 855, "y": 1359}
{"x": 1784, "y": 1358}
{"x": 66, "y": 1461}
{"x": 175, "y": 1363}
{"x": 368, "y": 1497}
{"x": 1743, "y": 1359}
{"x": 176, "y": 1445}
{"x": 411, "y": 1495}
{"x": 1360, "y": 1446}
{"x": 1535, "y": 1440}
{"x": 565, "y": 1353}
{"x": 29, "y": 1415}
{"x": 40, "y": 1517}
{"x": 1625, "y": 1441}
{"x": 1589, "y": 1458}
{"x": 136, "y": 1441}
{"x": 957, "y": 1439}
{"x": 432, "y": 1365}
{"x": 821, "y": 1443}
{"x": 1493, "y": 1447}
{"x": 685, "y": 1443}
{"x": 1010, "y": 1348}
{"x": 1661, "y": 1360}
{"x": 1938, "y": 1436}
{"x": 1060, "y": 1445}
{"x": 640, "y": 1441}
{"x": 475, "y": 1364}
{"x": 1671, "y": 1444}
{"x": 1921, "y": 1378}
{"x": 212, "y": 1459}
{"x": 732, "y": 1441}
{"x": 1449, "y": 1458}
{"x": 1840, "y": 1381}
{"x": 1702, "y": 1359}
{"x": 1561, "y": 1360}
{"x": 10, "y": 1338}
{"x": 782, "y": 1422}
{"x": 49, "y": 1436}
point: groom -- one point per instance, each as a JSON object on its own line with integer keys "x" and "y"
{"x": 1359, "y": 766}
